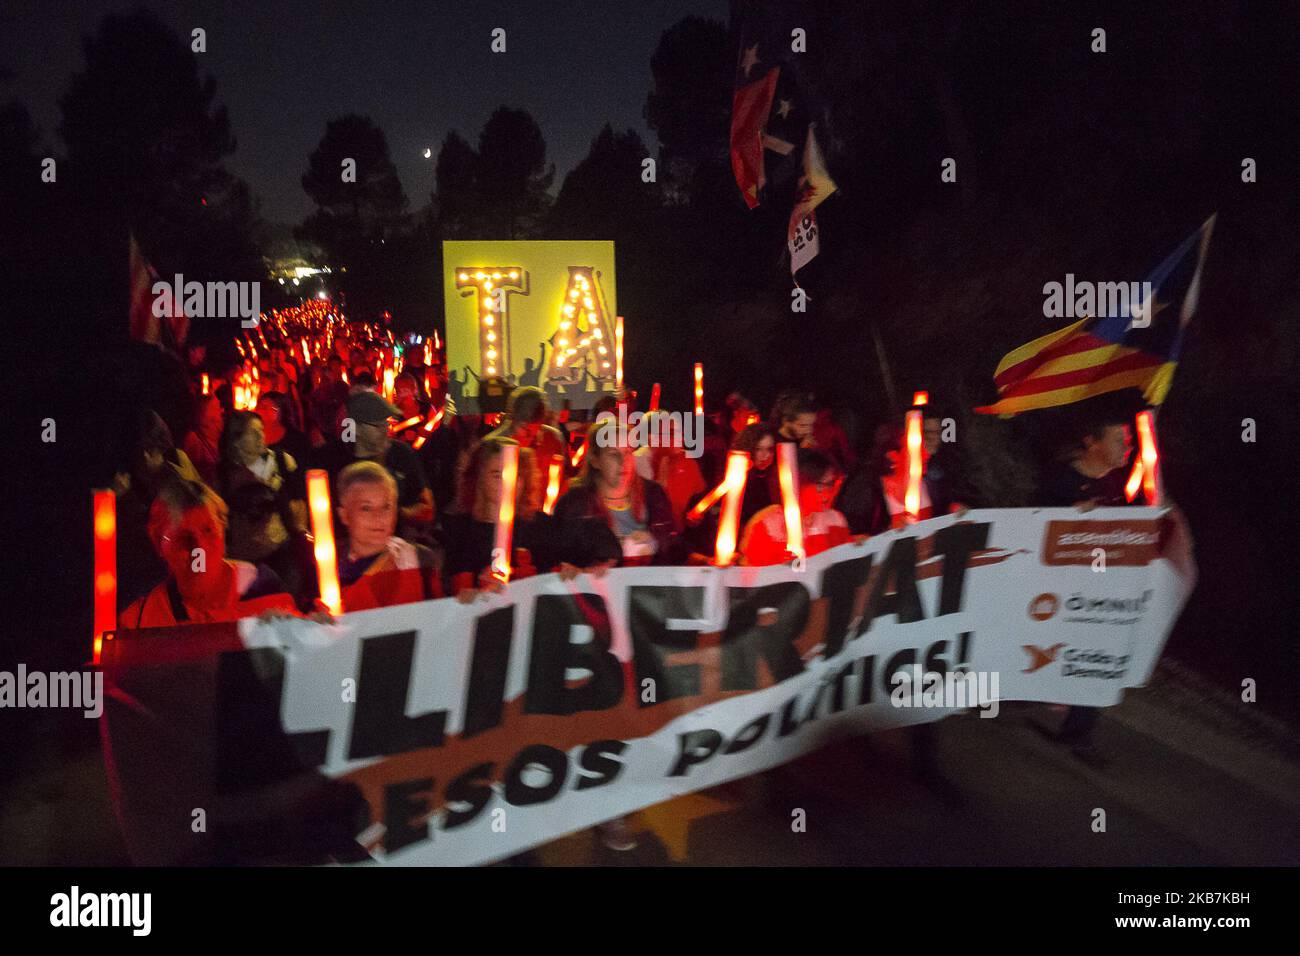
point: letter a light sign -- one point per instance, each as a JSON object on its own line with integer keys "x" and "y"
{"x": 532, "y": 313}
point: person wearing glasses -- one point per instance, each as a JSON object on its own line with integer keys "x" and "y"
{"x": 765, "y": 541}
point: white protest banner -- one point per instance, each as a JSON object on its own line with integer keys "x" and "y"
{"x": 443, "y": 733}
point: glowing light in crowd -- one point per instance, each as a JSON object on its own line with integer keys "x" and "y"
{"x": 579, "y": 455}
{"x": 915, "y": 467}
{"x": 552, "y": 484}
{"x": 618, "y": 352}
{"x": 1134, "y": 479}
{"x": 401, "y": 426}
{"x": 705, "y": 503}
{"x": 654, "y": 398}
{"x": 729, "y": 524}
{"x": 104, "y": 509}
{"x": 921, "y": 398}
{"x": 505, "y": 513}
{"x": 390, "y": 376}
{"x": 434, "y": 421}
{"x": 787, "y": 470}
{"x": 1150, "y": 456}
{"x": 485, "y": 283}
{"x": 205, "y": 383}
{"x": 318, "y": 499}
{"x": 699, "y": 389}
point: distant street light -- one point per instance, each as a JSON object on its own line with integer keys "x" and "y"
{"x": 427, "y": 152}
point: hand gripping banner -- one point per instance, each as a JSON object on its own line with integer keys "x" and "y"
{"x": 442, "y": 733}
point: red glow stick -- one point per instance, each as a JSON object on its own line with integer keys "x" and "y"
{"x": 699, "y": 389}
{"x": 787, "y": 470}
{"x": 104, "y": 509}
{"x": 921, "y": 398}
{"x": 505, "y": 513}
{"x": 915, "y": 467}
{"x": 1150, "y": 457}
{"x": 1134, "y": 479}
{"x": 553, "y": 484}
{"x": 654, "y": 398}
{"x": 618, "y": 352}
{"x": 318, "y": 498}
{"x": 729, "y": 524}
{"x": 707, "y": 502}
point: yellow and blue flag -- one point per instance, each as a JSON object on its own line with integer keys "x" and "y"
{"x": 1134, "y": 349}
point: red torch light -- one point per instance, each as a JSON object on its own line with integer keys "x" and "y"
{"x": 699, "y": 389}
{"x": 318, "y": 499}
{"x": 705, "y": 503}
{"x": 729, "y": 522}
{"x": 787, "y": 473}
{"x": 104, "y": 510}
{"x": 552, "y": 484}
{"x": 505, "y": 513}
{"x": 618, "y": 352}
{"x": 1150, "y": 456}
{"x": 915, "y": 466}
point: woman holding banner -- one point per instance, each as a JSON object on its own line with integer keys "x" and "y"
{"x": 470, "y": 529}
{"x": 610, "y": 514}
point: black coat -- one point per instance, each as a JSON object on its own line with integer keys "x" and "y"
{"x": 585, "y": 538}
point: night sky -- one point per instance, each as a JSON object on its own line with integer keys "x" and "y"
{"x": 419, "y": 69}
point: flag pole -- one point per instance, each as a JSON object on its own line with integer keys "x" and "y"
{"x": 883, "y": 360}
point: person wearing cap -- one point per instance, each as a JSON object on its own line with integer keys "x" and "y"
{"x": 368, "y": 440}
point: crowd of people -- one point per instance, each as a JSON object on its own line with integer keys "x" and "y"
{"x": 215, "y": 527}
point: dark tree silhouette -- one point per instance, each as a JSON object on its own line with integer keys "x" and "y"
{"x": 512, "y": 175}
{"x": 455, "y": 197}
{"x": 689, "y": 106}
{"x": 604, "y": 196}
{"x": 352, "y": 217}
{"x": 145, "y": 140}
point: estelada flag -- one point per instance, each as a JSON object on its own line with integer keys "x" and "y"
{"x": 814, "y": 186}
{"x": 751, "y": 106}
{"x": 772, "y": 130}
{"x": 1109, "y": 353}
{"x": 168, "y": 331}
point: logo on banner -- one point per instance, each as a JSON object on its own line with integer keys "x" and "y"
{"x": 1126, "y": 543}
{"x": 1089, "y": 662}
{"x": 1040, "y": 657}
{"x": 1044, "y": 606}
{"x": 1083, "y": 609}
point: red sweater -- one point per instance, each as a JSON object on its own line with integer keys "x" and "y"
{"x": 764, "y": 539}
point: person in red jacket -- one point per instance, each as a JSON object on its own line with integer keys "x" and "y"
{"x": 202, "y": 586}
{"x": 376, "y": 568}
{"x": 765, "y": 539}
